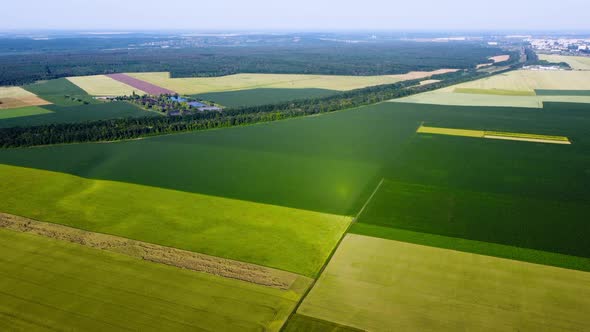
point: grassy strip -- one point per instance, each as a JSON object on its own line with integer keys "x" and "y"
{"x": 450, "y": 131}
{"x": 525, "y": 135}
{"x": 481, "y": 133}
{"x": 476, "y": 247}
{"x": 49, "y": 284}
{"x": 499, "y": 92}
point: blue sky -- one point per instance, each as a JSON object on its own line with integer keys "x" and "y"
{"x": 296, "y": 14}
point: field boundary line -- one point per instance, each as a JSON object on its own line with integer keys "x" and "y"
{"x": 368, "y": 201}
{"x": 312, "y": 285}
{"x": 184, "y": 259}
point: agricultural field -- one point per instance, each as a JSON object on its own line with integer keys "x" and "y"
{"x": 68, "y": 104}
{"x": 22, "y": 111}
{"x": 102, "y": 85}
{"x": 49, "y": 284}
{"x": 16, "y": 97}
{"x": 525, "y": 137}
{"x": 255, "y": 97}
{"x": 521, "y": 88}
{"x": 382, "y": 285}
{"x": 282, "y": 195}
{"x": 200, "y": 85}
{"x": 289, "y": 239}
{"x": 60, "y": 92}
{"x": 576, "y": 62}
{"x": 77, "y": 113}
{"x": 530, "y": 80}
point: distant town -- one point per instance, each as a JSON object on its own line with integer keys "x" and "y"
{"x": 561, "y": 46}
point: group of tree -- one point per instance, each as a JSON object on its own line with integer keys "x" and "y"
{"x": 342, "y": 59}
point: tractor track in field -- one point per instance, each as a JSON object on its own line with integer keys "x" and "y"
{"x": 154, "y": 253}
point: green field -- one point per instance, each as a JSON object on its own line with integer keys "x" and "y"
{"x": 77, "y": 113}
{"x": 481, "y": 216}
{"x": 22, "y": 111}
{"x": 56, "y": 91}
{"x": 301, "y": 323}
{"x": 563, "y": 92}
{"x": 48, "y": 285}
{"x": 257, "y": 97}
{"x": 383, "y": 285}
{"x": 289, "y": 239}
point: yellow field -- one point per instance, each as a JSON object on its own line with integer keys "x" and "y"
{"x": 384, "y": 285}
{"x": 101, "y": 85}
{"x": 450, "y": 131}
{"x": 576, "y": 62}
{"x": 509, "y": 90}
{"x": 525, "y": 137}
{"x": 198, "y": 85}
{"x": 15, "y": 97}
{"x": 529, "y": 80}
{"x": 500, "y": 58}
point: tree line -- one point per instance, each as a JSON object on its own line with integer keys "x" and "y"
{"x": 129, "y": 128}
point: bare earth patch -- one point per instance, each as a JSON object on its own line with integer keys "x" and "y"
{"x": 155, "y": 253}
{"x": 16, "y": 97}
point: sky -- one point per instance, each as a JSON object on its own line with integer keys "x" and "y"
{"x": 296, "y": 15}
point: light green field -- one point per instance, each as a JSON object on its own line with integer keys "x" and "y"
{"x": 384, "y": 285}
{"x": 499, "y": 92}
{"x": 22, "y": 111}
{"x": 49, "y": 284}
{"x": 101, "y": 85}
{"x": 530, "y": 80}
{"x": 289, "y": 239}
{"x": 576, "y": 62}
{"x": 199, "y": 85}
{"x": 525, "y": 135}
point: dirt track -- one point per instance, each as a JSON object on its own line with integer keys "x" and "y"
{"x": 150, "y": 252}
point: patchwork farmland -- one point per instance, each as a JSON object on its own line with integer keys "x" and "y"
{"x": 445, "y": 210}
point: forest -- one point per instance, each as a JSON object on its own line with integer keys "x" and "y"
{"x": 22, "y": 64}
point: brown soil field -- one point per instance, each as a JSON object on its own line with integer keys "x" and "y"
{"x": 150, "y": 252}
{"x": 415, "y": 75}
{"x": 15, "y": 97}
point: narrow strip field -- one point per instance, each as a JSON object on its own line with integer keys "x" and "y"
{"x": 524, "y": 137}
{"x": 48, "y": 284}
{"x": 154, "y": 253}
{"x": 102, "y": 85}
{"x": 147, "y": 87}
{"x": 294, "y": 240}
{"x": 383, "y": 285}
{"x": 499, "y": 92}
{"x": 15, "y": 97}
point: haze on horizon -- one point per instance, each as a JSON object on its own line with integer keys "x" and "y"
{"x": 296, "y": 15}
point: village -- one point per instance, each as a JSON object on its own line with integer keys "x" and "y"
{"x": 171, "y": 105}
